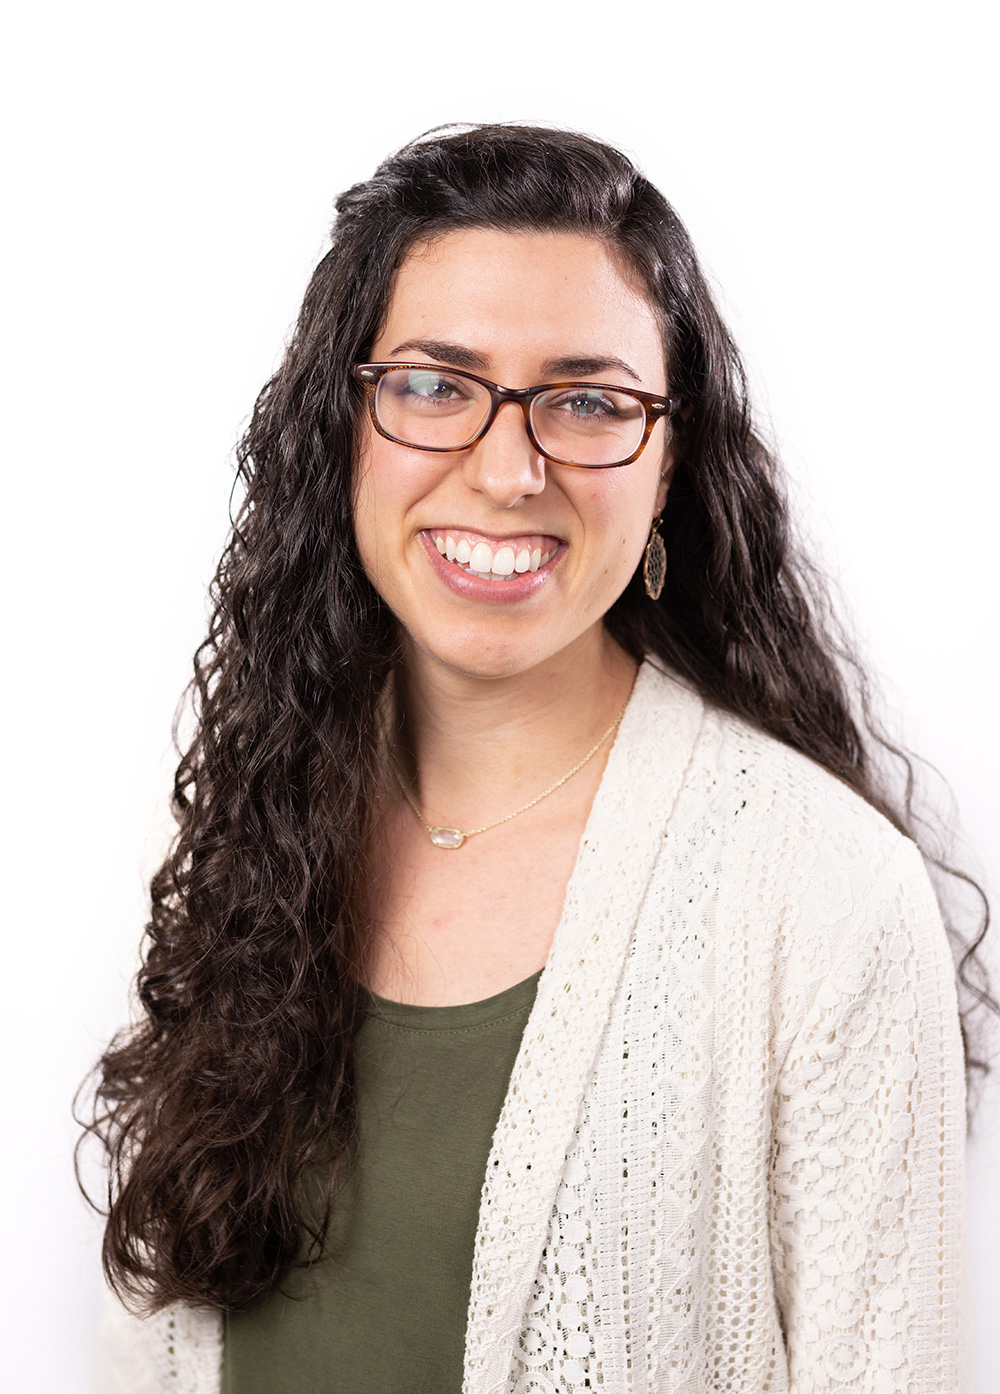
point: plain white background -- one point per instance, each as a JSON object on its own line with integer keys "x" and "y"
{"x": 169, "y": 184}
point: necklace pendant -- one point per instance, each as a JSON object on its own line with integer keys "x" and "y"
{"x": 446, "y": 837}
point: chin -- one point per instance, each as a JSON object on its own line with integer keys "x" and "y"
{"x": 484, "y": 666}
{"x": 473, "y": 656}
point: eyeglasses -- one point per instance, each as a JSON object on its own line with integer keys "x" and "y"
{"x": 588, "y": 424}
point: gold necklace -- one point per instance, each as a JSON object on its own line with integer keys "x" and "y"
{"x": 451, "y": 838}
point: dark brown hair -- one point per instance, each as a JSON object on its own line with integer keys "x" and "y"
{"x": 237, "y": 1077}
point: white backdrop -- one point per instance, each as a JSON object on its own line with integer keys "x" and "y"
{"x": 169, "y": 188}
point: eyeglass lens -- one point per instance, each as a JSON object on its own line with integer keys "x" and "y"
{"x": 581, "y": 424}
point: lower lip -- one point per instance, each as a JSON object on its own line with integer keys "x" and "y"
{"x": 507, "y": 592}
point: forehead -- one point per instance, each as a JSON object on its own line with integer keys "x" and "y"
{"x": 518, "y": 297}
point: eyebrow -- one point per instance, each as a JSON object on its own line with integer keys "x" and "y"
{"x": 458, "y": 356}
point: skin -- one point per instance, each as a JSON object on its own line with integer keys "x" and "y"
{"x": 498, "y": 700}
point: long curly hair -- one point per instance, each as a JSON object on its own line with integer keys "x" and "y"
{"x": 231, "y": 1099}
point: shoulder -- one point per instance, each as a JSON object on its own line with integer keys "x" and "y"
{"x": 797, "y": 878}
{"x": 757, "y": 791}
{"x": 794, "y": 862}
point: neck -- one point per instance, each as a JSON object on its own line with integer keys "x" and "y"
{"x": 473, "y": 747}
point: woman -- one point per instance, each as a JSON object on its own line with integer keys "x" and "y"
{"x": 542, "y": 992}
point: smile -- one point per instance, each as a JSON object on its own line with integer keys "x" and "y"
{"x": 493, "y": 559}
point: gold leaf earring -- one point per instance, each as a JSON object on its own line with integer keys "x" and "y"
{"x": 654, "y": 562}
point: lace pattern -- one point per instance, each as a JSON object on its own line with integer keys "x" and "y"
{"x": 762, "y": 1190}
{"x": 177, "y": 1351}
{"x": 730, "y": 1157}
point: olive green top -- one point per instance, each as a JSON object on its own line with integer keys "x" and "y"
{"x": 384, "y": 1312}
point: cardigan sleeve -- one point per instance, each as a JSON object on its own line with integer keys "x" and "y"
{"x": 867, "y": 1180}
{"x": 124, "y": 1357}
{"x": 178, "y": 1349}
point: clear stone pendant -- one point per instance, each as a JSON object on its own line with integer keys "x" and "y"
{"x": 446, "y": 837}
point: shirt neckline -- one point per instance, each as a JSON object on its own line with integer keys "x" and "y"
{"x": 460, "y": 1016}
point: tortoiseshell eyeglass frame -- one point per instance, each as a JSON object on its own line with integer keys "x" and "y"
{"x": 653, "y": 406}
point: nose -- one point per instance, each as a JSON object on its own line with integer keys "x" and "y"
{"x": 504, "y": 465}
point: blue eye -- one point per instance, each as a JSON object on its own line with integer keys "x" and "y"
{"x": 590, "y": 405}
{"x": 427, "y": 385}
{"x": 426, "y": 394}
{"x": 584, "y": 406}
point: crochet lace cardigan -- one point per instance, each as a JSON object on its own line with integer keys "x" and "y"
{"x": 731, "y": 1152}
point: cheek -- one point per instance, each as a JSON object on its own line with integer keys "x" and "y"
{"x": 379, "y": 486}
{"x": 365, "y": 508}
{"x": 391, "y": 484}
{"x": 378, "y": 511}
{"x": 620, "y": 518}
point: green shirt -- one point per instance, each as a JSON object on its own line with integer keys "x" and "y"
{"x": 385, "y": 1310}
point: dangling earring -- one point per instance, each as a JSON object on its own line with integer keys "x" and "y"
{"x": 654, "y": 562}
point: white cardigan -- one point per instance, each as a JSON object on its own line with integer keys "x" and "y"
{"x": 731, "y": 1153}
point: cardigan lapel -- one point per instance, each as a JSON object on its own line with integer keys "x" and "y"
{"x": 627, "y": 822}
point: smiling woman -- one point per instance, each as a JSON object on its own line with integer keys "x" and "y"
{"x": 543, "y": 992}
{"x": 525, "y": 307}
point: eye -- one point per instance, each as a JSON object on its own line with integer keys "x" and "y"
{"x": 423, "y": 385}
{"x": 584, "y": 403}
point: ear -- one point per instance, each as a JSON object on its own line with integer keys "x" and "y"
{"x": 666, "y": 474}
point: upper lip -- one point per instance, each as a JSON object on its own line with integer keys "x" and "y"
{"x": 497, "y": 538}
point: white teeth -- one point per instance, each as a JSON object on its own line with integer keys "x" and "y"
{"x": 503, "y": 562}
{"x": 481, "y": 558}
